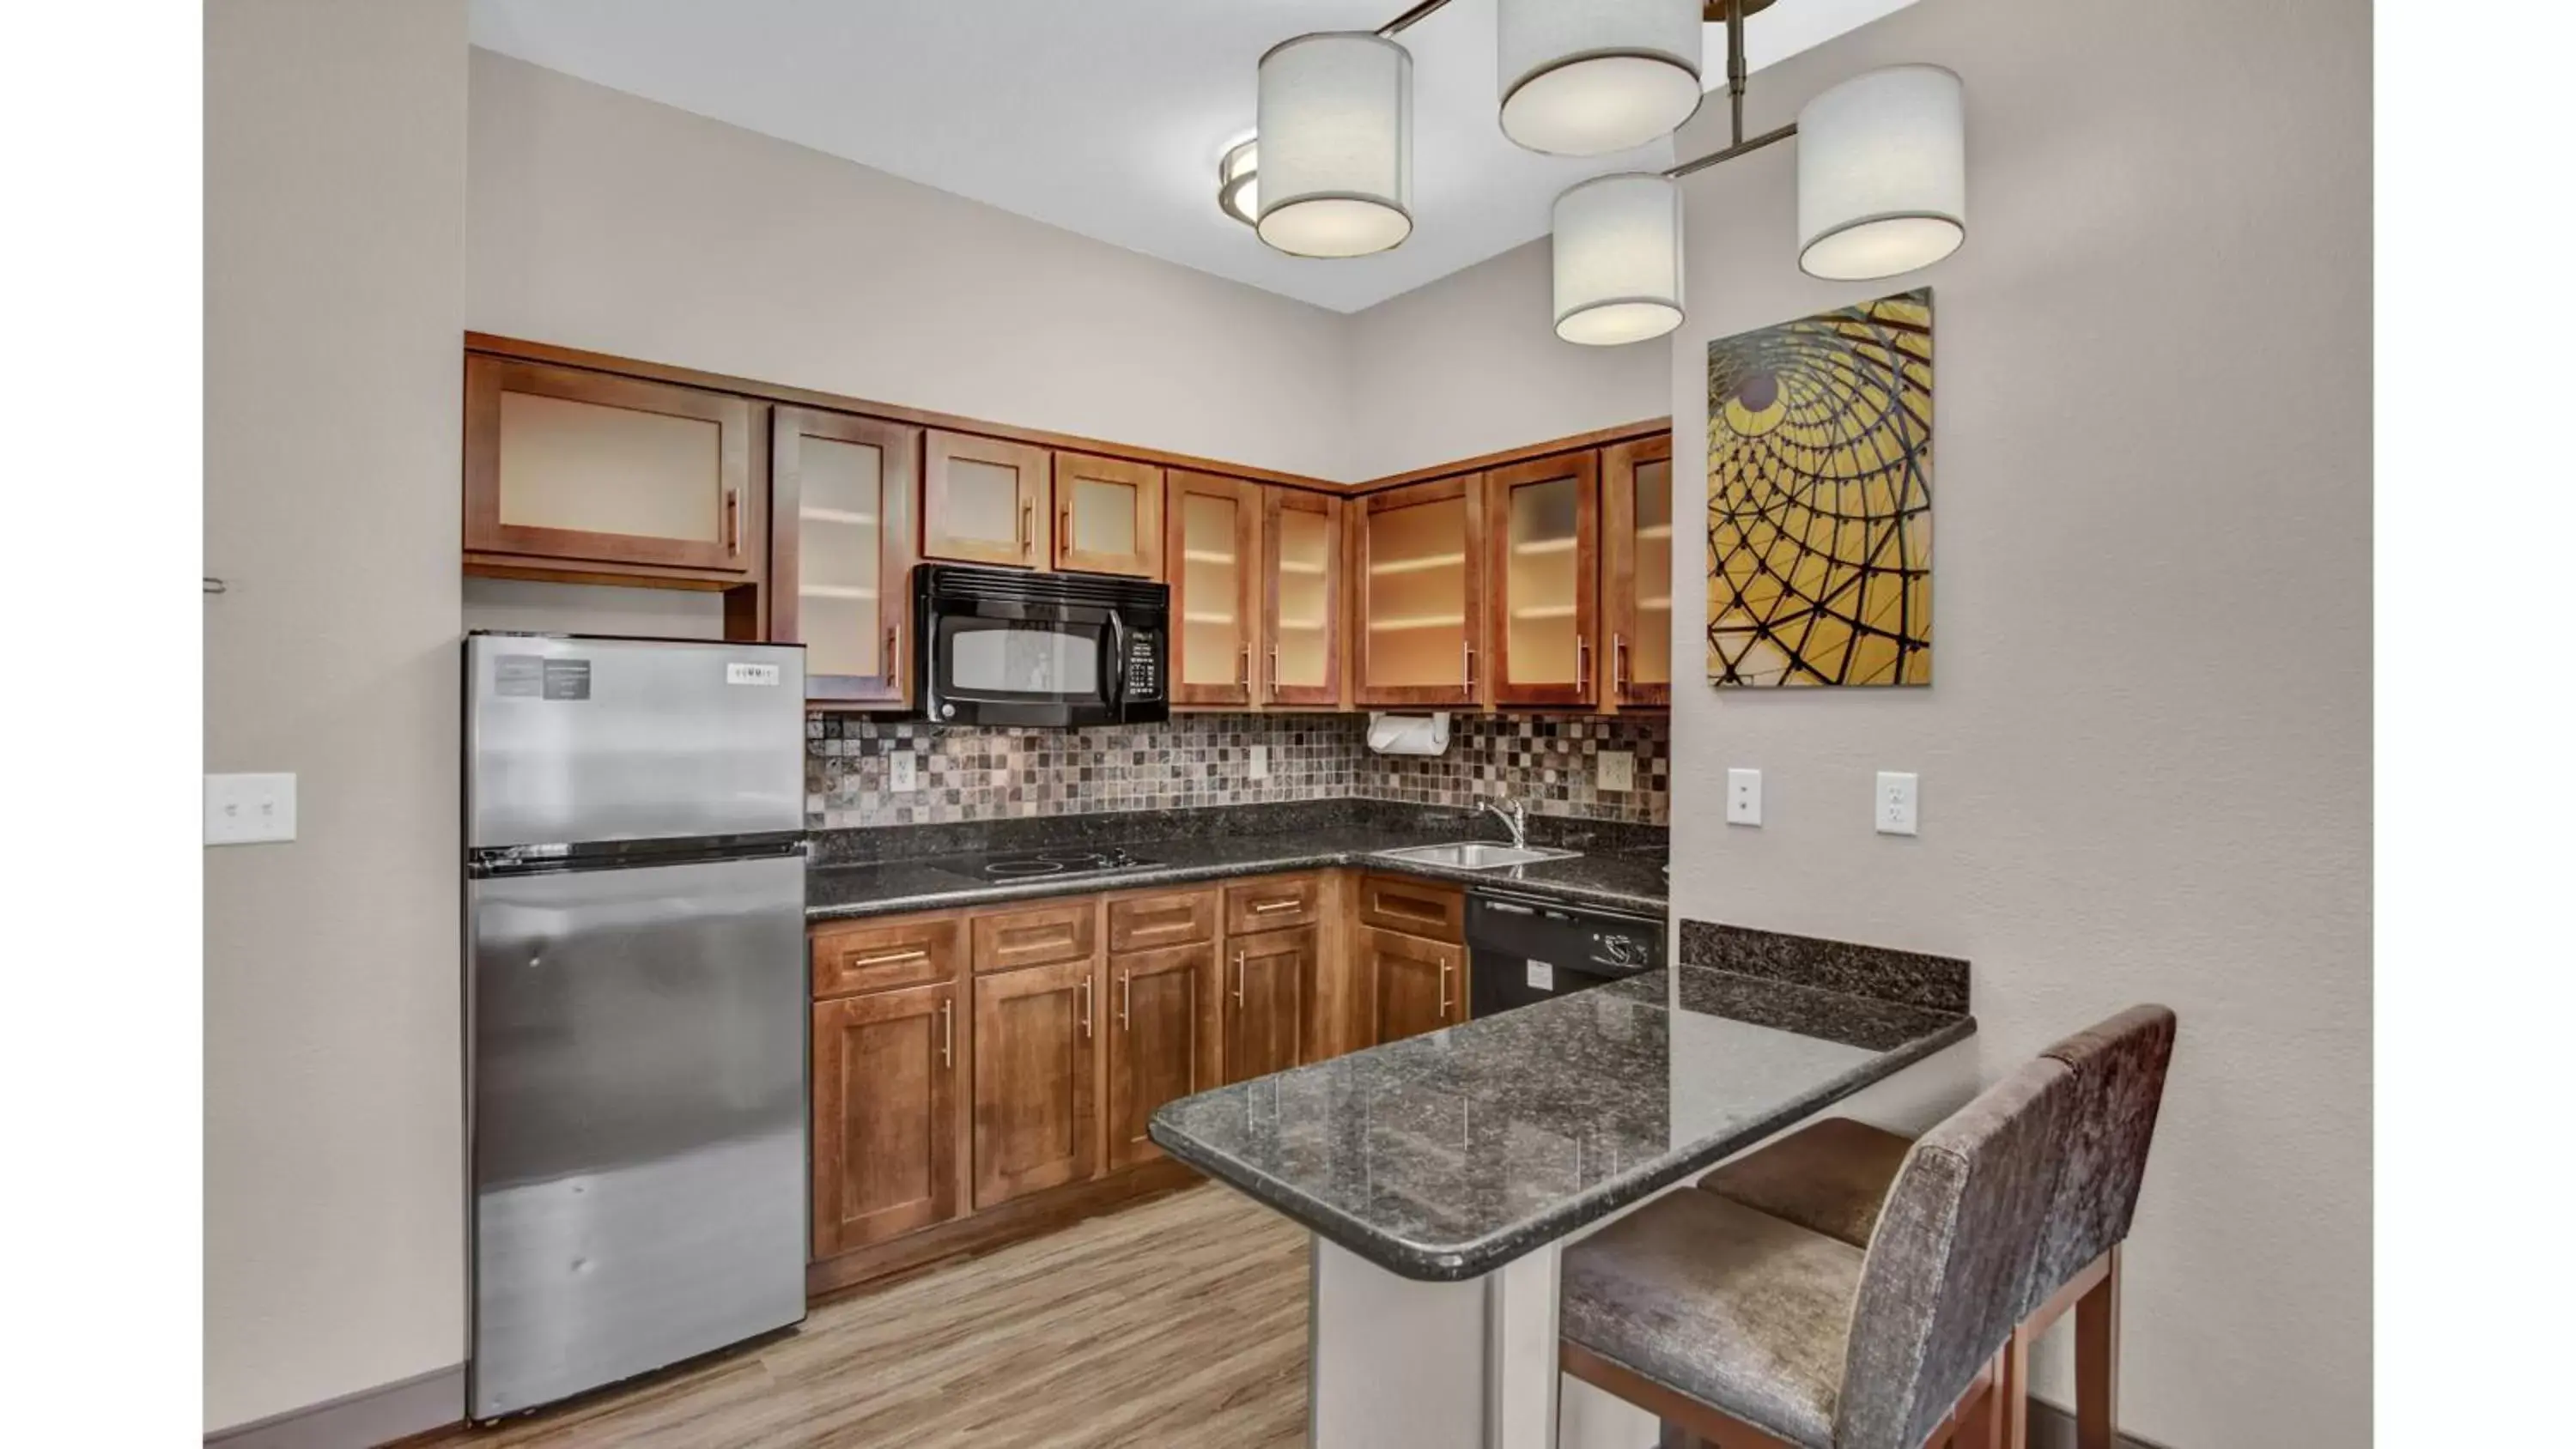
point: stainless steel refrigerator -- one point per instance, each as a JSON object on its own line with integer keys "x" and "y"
{"x": 635, "y": 1005}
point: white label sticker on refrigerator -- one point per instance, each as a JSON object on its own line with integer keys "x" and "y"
{"x": 519, "y": 674}
{"x": 736, "y": 673}
{"x": 1542, "y": 976}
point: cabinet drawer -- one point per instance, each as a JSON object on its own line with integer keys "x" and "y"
{"x": 1168, "y": 918}
{"x": 875, "y": 955}
{"x": 1006, "y": 940}
{"x": 1414, "y": 907}
{"x": 1272, "y": 905}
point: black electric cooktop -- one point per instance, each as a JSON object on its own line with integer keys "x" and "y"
{"x": 1051, "y": 864}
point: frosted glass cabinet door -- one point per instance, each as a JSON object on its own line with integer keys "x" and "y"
{"x": 1211, "y": 553}
{"x": 1301, "y": 615}
{"x": 1419, "y": 587}
{"x": 565, "y": 463}
{"x": 984, "y": 501}
{"x": 1542, "y": 520}
{"x": 1108, "y": 516}
{"x": 844, "y": 489}
{"x": 1637, "y": 570}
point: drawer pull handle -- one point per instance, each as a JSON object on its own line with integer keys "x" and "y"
{"x": 1288, "y": 904}
{"x": 888, "y": 958}
{"x": 1444, "y": 991}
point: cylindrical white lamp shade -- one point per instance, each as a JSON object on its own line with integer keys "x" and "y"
{"x": 1882, "y": 174}
{"x": 1589, "y": 78}
{"x": 1238, "y": 182}
{"x": 1336, "y": 129}
{"x": 1619, "y": 259}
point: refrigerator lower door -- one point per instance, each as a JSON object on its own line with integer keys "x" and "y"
{"x": 638, "y": 1119}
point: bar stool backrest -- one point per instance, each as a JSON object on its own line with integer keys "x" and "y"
{"x": 1952, "y": 1258}
{"x": 2119, "y": 1069}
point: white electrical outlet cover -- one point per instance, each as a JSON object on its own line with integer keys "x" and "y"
{"x": 903, "y": 773}
{"x": 249, "y": 809}
{"x": 1744, "y": 797}
{"x": 1616, "y": 770}
{"x": 1895, "y": 807}
{"x": 1261, "y": 762}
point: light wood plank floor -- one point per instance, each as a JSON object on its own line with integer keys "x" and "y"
{"x": 1180, "y": 1321}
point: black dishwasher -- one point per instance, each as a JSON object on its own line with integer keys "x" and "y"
{"x": 1527, "y": 948}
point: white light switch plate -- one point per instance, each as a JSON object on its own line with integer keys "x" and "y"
{"x": 1261, "y": 762}
{"x": 1895, "y": 808}
{"x": 248, "y": 809}
{"x": 1744, "y": 797}
{"x": 903, "y": 772}
{"x": 1617, "y": 770}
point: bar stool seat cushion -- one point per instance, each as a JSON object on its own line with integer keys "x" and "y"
{"x": 1733, "y": 1307}
{"x": 1829, "y": 1177}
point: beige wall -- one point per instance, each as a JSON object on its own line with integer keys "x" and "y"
{"x": 1472, "y": 364}
{"x": 2145, "y": 758}
{"x": 599, "y": 220}
{"x": 335, "y": 174}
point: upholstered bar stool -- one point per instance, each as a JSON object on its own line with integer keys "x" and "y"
{"x": 1834, "y": 1177}
{"x": 1747, "y": 1331}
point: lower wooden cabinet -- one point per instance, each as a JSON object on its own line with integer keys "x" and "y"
{"x": 1162, "y": 1040}
{"x": 1266, "y": 1001}
{"x": 885, "y": 1115}
{"x": 1035, "y": 1080}
{"x": 1415, "y": 984}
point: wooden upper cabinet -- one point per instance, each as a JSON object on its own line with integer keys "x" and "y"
{"x": 1415, "y": 985}
{"x": 1271, "y": 978}
{"x": 1108, "y": 516}
{"x": 1543, "y": 560}
{"x": 984, "y": 501}
{"x": 841, "y": 559}
{"x": 1211, "y": 554}
{"x": 566, "y": 463}
{"x": 1302, "y": 626}
{"x": 885, "y": 1115}
{"x": 1162, "y": 1040}
{"x": 1037, "y": 1122}
{"x": 1637, "y": 571}
{"x": 1417, "y": 565}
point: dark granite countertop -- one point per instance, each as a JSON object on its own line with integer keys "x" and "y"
{"x": 1247, "y": 841}
{"x": 1444, "y": 1156}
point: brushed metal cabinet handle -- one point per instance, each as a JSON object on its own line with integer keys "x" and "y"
{"x": 948, "y": 1032}
{"x": 892, "y": 669}
{"x": 1289, "y": 904}
{"x": 1619, "y": 665}
{"x": 888, "y": 958}
{"x": 1086, "y": 1008}
{"x": 1126, "y": 995}
{"x": 1238, "y": 978}
{"x": 733, "y": 522}
{"x": 1028, "y": 529}
{"x": 1444, "y": 991}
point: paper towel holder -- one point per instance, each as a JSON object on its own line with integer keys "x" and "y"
{"x": 1409, "y": 734}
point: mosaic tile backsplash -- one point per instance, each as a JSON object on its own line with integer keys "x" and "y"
{"x": 1206, "y": 759}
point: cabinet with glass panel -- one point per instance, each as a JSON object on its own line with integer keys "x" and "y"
{"x": 1543, "y": 543}
{"x": 1417, "y": 564}
{"x": 843, "y": 488}
{"x": 1637, "y": 572}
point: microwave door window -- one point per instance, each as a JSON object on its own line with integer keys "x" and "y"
{"x": 1021, "y": 660}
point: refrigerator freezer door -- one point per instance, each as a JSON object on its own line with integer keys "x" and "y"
{"x": 572, "y": 740}
{"x": 638, "y": 1119}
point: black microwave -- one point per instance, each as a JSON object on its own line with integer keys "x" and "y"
{"x": 1006, "y": 647}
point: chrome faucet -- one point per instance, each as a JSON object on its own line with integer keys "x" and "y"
{"x": 1516, "y": 818}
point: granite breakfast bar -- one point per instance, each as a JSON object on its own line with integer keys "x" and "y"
{"x": 1439, "y": 1175}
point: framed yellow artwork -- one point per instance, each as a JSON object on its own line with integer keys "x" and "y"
{"x": 1820, "y": 499}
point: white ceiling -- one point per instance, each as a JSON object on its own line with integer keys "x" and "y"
{"x": 1105, "y": 117}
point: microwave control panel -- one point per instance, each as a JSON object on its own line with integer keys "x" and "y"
{"x": 1145, "y": 665}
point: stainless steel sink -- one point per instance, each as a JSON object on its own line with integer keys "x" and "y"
{"x": 1476, "y": 854}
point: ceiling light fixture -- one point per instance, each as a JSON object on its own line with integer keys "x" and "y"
{"x": 1882, "y": 176}
{"x": 1590, "y": 79}
{"x": 1238, "y": 181}
{"x": 1336, "y": 133}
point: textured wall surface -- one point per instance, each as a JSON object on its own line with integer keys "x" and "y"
{"x": 1206, "y": 759}
{"x": 2146, "y": 759}
{"x": 335, "y": 188}
{"x": 597, "y": 219}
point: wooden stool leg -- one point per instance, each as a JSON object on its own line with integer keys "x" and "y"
{"x": 2013, "y": 1389}
{"x": 2097, "y": 1361}
{"x": 1981, "y": 1421}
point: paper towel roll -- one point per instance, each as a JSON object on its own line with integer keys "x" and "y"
{"x": 1409, "y": 734}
